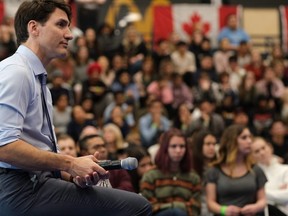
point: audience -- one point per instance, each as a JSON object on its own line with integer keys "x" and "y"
{"x": 109, "y": 77}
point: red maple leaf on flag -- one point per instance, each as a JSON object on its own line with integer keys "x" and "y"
{"x": 196, "y": 23}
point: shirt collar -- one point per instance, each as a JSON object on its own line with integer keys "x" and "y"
{"x": 33, "y": 60}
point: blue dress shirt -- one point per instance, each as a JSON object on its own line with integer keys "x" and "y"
{"x": 148, "y": 133}
{"x": 234, "y": 36}
{"x": 21, "y": 113}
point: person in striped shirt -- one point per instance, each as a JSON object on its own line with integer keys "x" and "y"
{"x": 172, "y": 187}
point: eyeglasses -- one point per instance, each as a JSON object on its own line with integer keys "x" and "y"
{"x": 174, "y": 146}
{"x": 98, "y": 146}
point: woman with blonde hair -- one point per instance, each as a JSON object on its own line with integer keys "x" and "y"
{"x": 277, "y": 174}
{"x": 234, "y": 184}
{"x": 114, "y": 140}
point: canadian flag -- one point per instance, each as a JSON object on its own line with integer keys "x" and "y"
{"x": 1, "y": 11}
{"x": 185, "y": 18}
{"x": 284, "y": 25}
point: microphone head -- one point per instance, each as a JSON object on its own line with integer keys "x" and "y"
{"x": 129, "y": 163}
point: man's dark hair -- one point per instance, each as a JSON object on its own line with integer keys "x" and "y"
{"x": 83, "y": 141}
{"x": 38, "y": 10}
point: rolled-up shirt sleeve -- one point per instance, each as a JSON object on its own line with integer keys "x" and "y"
{"x": 14, "y": 100}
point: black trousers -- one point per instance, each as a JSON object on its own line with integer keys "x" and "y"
{"x": 274, "y": 211}
{"x": 25, "y": 194}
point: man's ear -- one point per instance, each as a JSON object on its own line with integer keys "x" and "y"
{"x": 33, "y": 28}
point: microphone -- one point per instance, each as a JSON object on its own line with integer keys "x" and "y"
{"x": 129, "y": 163}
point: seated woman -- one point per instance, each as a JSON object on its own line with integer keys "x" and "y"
{"x": 172, "y": 188}
{"x": 235, "y": 186}
{"x": 117, "y": 117}
{"x": 277, "y": 174}
{"x": 115, "y": 142}
{"x": 204, "y": 152}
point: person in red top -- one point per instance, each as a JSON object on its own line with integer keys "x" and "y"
{"x": 256, "y": 66}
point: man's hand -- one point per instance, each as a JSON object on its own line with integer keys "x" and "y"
{"x": 88, "y": 181}
{"x": 86, "y": 171}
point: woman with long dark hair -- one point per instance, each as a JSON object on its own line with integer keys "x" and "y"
{"x": 144, "y": 164}
{"x": 172, "y": 187}
{"x": 204, "y": 152}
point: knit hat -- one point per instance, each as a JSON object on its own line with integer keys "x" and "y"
{"x": 94, "y": 67}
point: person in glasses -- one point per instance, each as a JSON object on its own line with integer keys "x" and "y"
{"x": 172, "y": 187}
{"x": 34, "y": 179}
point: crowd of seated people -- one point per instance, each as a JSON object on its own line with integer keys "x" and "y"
{"x": 113, "y": 91}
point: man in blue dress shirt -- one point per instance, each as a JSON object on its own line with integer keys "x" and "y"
{"x": 233, "y": 33}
